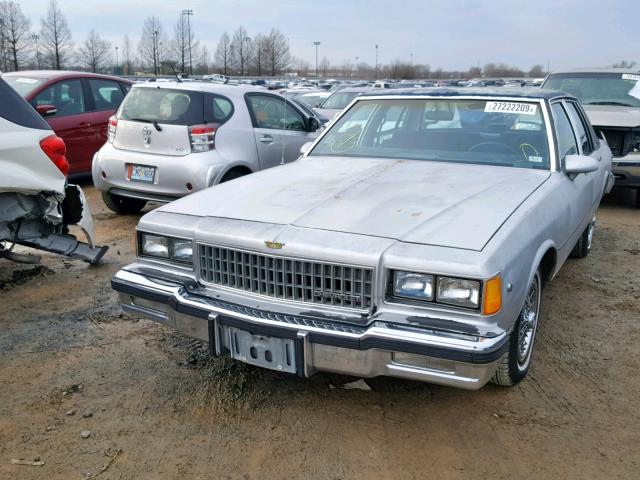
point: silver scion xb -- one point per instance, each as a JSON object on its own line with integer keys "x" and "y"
{"x": 413, "y": 239}
{"x": 171, "y": 139}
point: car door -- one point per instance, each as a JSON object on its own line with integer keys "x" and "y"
{"x": 106, "y": 96}
{"x": 279, "y": 128}
{"x": 578, "y": 190}
{"x": 72, "y": 122}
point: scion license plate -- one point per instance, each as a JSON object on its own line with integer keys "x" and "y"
{"x": 140, "y": 173}
{"x": 267, "y": 352}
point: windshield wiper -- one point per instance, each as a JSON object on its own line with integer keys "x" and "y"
{"x": 621, "y": 104}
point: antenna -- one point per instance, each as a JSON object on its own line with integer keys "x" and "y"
{"x": 173, "y": 69}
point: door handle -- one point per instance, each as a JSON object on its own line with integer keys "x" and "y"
{"x": 266, "y": 139}
{"x": 84, "y": 124}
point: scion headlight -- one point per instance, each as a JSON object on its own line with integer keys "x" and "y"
{"x": 177, "y": 249}
{"x": 457, "y": 291}
{"x": 418, "y": 286}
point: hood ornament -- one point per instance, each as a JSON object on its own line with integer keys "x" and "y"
{"x": 274, "y": 245}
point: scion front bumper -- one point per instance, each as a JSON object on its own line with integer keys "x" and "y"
{"x": 380, "y": 348}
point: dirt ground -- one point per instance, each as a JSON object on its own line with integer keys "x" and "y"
{"x": 156, "y": 407}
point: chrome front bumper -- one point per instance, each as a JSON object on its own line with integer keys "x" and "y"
{"x": 380, "y": 348}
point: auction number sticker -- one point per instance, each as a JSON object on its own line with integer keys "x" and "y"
{"x": 511, "y": 107}
{"x": 630, "y": 76}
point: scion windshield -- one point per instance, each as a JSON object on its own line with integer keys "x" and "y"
{"x": 510, "y": 134}
{"x": 621, "y": 89}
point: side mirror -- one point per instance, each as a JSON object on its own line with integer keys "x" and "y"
{"x": 314, "y": 124}
{"x": 46, "y": 110}
{"x": 305, "y": 148}
{"x": 575, "y": 164}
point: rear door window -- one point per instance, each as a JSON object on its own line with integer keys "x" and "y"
{"x": 67, "y": 96}
{"x": 217, "y": 109}
{"x": 107, "y": 94}
{"x": 171, "y": 107}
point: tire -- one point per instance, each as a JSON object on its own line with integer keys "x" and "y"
{"x": 583, "y": 246}
{"x": 232, "y": 175}
{"x": 123, "y": 205}
{"x": 516, "y": 362}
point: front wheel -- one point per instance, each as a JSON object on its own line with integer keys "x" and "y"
{"x": 123, "y": 205}
{"x": 515, "y": 364}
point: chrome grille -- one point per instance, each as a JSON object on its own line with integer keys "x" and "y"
{"x": 287, "y": 278}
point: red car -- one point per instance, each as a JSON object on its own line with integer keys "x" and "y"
{"x": 77, "y": 106}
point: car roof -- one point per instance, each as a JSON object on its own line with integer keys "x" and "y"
{"x": 356, "y": 90}
{"x": 62, "y": 74}
{"x": 528, "y": 93}
{"x": 223, "y": 89}
{"x": 599, "y": 70}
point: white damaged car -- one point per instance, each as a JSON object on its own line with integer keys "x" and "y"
{"x": 37, "y": 205}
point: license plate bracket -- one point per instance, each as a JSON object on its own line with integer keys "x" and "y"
{"x": 268, "y": 352}
{"x": 141, "y": 173}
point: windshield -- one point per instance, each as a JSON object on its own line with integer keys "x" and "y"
{"x": 339, "y": 100}
{"x": 621, "y": 89}
{"x": 173, "y": 107}
{"x": 311, "y": 99}
{"x": 23, "y": 85}
{"x": 510, "y": 134}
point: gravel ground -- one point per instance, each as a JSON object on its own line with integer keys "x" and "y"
{"x": 93, "y": 393}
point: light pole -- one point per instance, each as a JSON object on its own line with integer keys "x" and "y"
{"x": 377, "y": 49}
{"x": 189, "y": 14}
{"x": 35, "y": 37}
{"x": 116, "y": 68}
{"x": 317, "y": 44}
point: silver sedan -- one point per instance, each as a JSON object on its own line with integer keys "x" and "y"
{"x": 413, "y": 239}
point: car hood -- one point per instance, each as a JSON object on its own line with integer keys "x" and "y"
{"x": 435, "y": 203}
{"x": 613, "y": 116}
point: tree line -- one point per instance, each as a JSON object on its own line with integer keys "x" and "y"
{"x": 160, "y": 53}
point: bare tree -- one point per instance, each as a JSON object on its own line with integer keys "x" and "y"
{"x": 278, "y": 55}
{"x": 128, "y": 56}
{"x": 56, "y": 36}
{"x": 259, "y": 53}
{"x": 536, "y": 71}
{"x": 15, "y": 32}
{"x": 95, "y": 53}
{"x": 202, "y": 67}
{"x": 624, "y": 64}
{"x": 223, "y": 53}
{"x": 184, "y": 45}
{"x": 324, "y": 66}
{"x": 151, "y": 46}
{"x": 240, "y": 50}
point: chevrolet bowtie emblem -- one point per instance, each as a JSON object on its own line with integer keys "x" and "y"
{"x": 274, "y": 245}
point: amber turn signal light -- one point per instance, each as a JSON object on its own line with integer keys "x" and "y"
{"x": 492, "y": 302}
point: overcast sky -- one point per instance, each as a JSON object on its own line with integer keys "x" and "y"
{"x": 452, "y": 34}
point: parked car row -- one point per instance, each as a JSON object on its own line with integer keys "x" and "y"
{"x": 411, "y": 237}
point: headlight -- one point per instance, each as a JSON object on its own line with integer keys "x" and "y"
{"x": 182, "y": 250}
{"x": 155, "y": 245}
{"x": 413, "y": 285}
{"x": 456, "y": 291}
{"x": 177, "y": 249}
